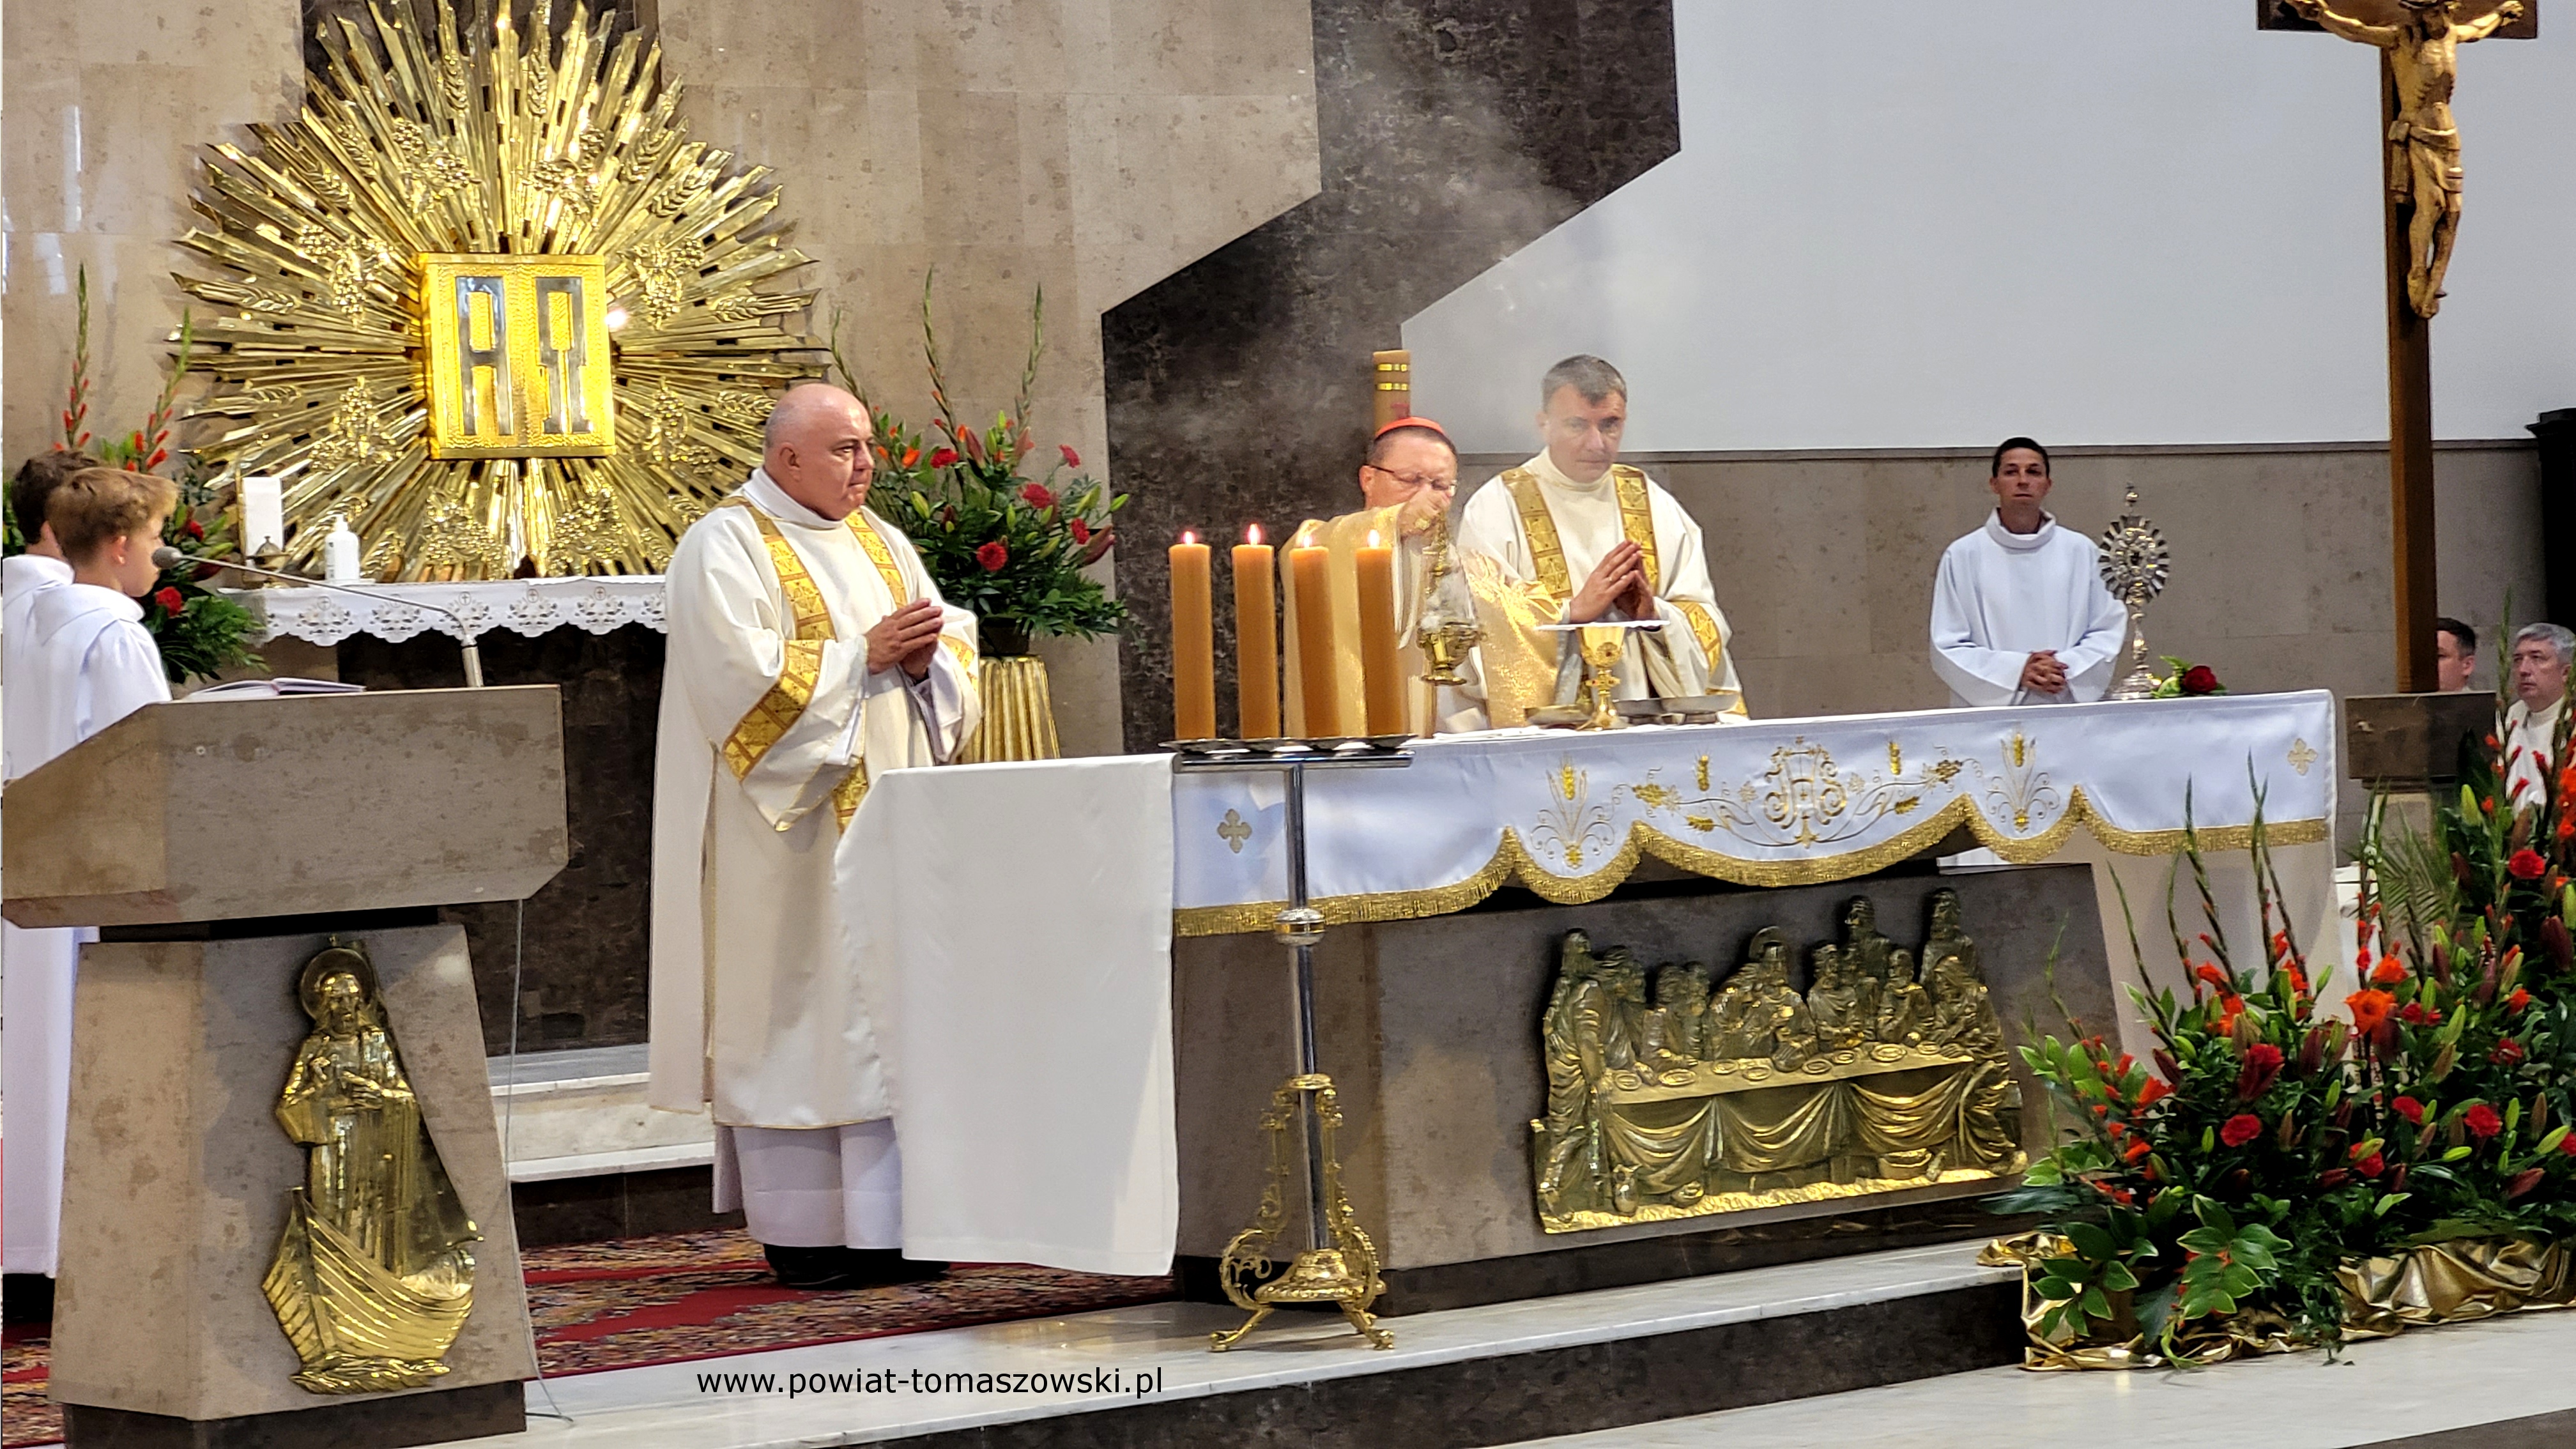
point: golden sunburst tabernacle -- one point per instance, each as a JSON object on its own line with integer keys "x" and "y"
{"x": 451, "y": 130}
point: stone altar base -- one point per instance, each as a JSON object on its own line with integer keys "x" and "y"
{"x": 162, "y": 1335}
{"x": 1430, "y": 1029}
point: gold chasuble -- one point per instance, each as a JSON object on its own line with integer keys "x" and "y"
{"x": 771, "y": 726}
{"x": 1529, "y": 539}
{"x": 1344, "y": 537}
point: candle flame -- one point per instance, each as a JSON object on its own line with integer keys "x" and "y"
{"x": 1187, "y": 536}
{"x": 1252, "y": 533}
{"x": 1372, "y": 538}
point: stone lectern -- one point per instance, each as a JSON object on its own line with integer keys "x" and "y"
{"x": 259, "y": 1121}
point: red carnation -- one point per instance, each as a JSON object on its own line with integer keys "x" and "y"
{"x": 169, "y": 600}
{"x": 2527, "y": 865}
{"x": 2567, "y": 1144}
{"x": 945, "y": 457}
{"x": 2262, "y": 1068}
{"x": 2507, "y": 1052}
{"x": 2372, "y": 1165}
{"x": 1080, "y": 530}
{"x": 2417, "y": 1014}
{"x": 2482, "y": 1121}
{"x": 2199, "y": 679}
{"x": 1072, "y": 459}
{"x": 2240, "y": 1129}
{"x": 992, "y": 556}
{"x": 2410, "y": 1109}
{"x": 2389, "y": 972}
{"x": 194, "y": 529}
{"x": 1036, "y": 496}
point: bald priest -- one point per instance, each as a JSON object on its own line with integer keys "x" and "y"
{"x": 808, "y": 650}
{"x": 1574, "y": 536}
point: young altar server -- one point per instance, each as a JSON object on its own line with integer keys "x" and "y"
{"x": 809, "y": 650}
{"x": 22, "y": 577}
{"x": 1574, "y": 536}
{"x": 1405, "y": 488}
{"x": 2019, "y": 612}
{"x": 88, "y": 663}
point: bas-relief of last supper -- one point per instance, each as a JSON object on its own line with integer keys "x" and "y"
{"x": 1691, "y": 1097}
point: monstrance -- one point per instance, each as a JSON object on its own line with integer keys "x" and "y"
{"x": 2134, "y": 564}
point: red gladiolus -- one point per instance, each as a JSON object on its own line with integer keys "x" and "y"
{"x": 2137, "y": 1149}
{"x": 2369, "y": 1009}
{"x": 2208, "y": 971}
{"x": 1072, "y": 459}
{"x": 1036, "y": 495}
{"x": 2527, "y": 865}
{"x": 2120, "y": 1195}
{"x": 2482, "y": 1121}
{"x": 2298, "y": 978}
{"x": 2262, "y": 1068}
{"x": 2389, "y": 972}
{"x": 2410, "y": 1109}
{"x": 2240, "y": 1129}
{"x": 169, "y": 600}
{"x": 2199, "y": 679}
{"x": 944, "y": 458}
{"x": 992, "y": 556}
{"x": 2153, "y": 1092}
{"x": 1080, "y": 530}
{"x": 912, "y": 456}
{"x": 2229, "y": 1008}
{"x": 2518, "y": 1000}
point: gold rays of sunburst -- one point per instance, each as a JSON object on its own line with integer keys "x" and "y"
{"x": 457, "y": 127}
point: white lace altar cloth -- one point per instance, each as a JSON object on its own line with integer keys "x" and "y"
{"x": 1774, "y": 803}
{"x": 522, "y": 606}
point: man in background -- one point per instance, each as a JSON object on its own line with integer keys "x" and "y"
{"x": 2541, "y": 654}
{"x": 2455, "y": 654}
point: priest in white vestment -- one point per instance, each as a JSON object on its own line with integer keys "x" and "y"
{"x": 809, "y": 652}
{"x": 2019, "y": 611}
{"x": 2541, "y": 655}
{"x": 78, "y": 660}
{"x": 1574, "y": 536}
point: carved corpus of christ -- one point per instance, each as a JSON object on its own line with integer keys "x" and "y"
{"x": 2423, "y": 51}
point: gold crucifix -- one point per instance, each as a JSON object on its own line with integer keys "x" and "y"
{"x": 2418, "y": 43}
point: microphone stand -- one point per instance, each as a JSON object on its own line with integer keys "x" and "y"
{"x": 166, "y": 556}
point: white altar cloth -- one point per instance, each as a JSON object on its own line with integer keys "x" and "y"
{"x": 1014, "y": 922}
{"x": 1772, "y": 803}
{"x": 522, "y": 606}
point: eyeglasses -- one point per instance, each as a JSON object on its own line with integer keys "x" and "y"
{"x": 1411, "y": 480}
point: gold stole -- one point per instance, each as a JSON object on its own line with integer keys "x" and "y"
{"x": 1636, "y": 523}
{"x": 779, "y": 709}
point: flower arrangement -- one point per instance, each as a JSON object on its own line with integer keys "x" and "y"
{"x": 2186, "y": 680}
{"x": 200, "y": 633}
{"x": 1009, "y": 547}
{"x": 2261, "y": 1182}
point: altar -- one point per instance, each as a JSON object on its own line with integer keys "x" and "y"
{"x": 1538, "y": 941}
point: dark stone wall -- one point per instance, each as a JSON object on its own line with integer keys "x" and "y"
{"x": 584, "y": 982}
{"x": 1452, "y": 133}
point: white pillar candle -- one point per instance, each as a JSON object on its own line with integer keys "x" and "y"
{"x": 263, "y": 506}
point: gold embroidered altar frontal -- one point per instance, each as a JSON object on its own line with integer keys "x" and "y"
{"x": 1695, "y": 1100}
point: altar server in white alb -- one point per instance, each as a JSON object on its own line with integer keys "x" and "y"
{"x": 809, "y": 651}
{"x": 2019, "y": 612}
{"x": 79, "y": 660}
{"x": 1574, "y": 536}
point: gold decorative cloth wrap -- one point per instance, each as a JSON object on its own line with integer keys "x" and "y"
{"x": 1019, "y": 712}
{"x": 2453, "y": 1282}
{"x": 1771, "y": 803}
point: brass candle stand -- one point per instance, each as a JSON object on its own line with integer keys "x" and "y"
{"x": 1339, "y": 1264}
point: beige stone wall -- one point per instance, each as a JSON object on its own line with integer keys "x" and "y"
{"x": 1824, "y": 562}
{"x": 106, "y": 110}
{"x": 1091, "y": 146}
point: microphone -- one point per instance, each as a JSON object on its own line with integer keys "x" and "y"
{"x": 166, "y": 558}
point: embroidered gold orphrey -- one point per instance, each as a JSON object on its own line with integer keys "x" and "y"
{"x": 453, "y": 167}
{"x": 1691, "y": 1100}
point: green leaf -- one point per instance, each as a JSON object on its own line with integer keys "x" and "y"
{"x": 2118, "y": 1278}
{"x": 2390, "y": 1201}
{"x": 2091, "y": 1242}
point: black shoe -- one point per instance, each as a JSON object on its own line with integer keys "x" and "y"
{"x": 832, "y": 1268}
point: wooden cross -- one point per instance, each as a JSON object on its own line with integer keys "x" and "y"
{"x": 2418, "y": 242}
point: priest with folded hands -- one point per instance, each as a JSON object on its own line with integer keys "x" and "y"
{"x": 809, "y": 652}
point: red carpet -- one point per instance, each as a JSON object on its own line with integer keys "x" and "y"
{"x": 682, "y": 1296}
